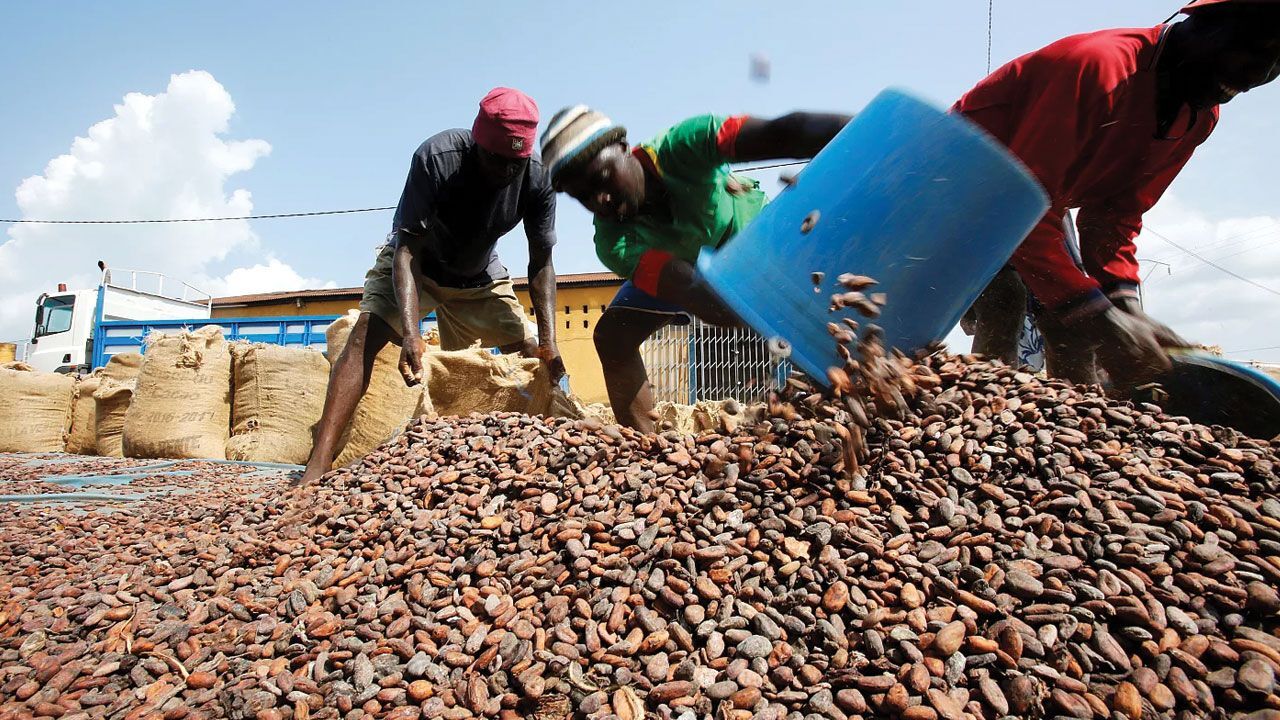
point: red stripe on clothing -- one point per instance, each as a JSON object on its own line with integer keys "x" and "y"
{"x": 646, "y": 161}
{"x": 727, "y": 137}
{"x": 649, "y": 269}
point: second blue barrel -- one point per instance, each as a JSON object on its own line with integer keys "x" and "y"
{"x": 920, "y": 199}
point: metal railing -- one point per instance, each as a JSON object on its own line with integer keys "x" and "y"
{"x": 698, "y": 361}
{"x": 128, "y": 280}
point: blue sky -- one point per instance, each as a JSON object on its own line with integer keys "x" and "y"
{"x": 344, "y": 93}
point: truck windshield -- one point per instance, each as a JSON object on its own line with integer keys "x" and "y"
{"x": 54, "y": 315}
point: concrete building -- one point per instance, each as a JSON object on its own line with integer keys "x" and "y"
{"x": 581, "y": 298}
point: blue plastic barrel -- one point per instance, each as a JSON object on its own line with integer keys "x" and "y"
{"x": 920, "y": 199}
{"x": 1215, "y": 391}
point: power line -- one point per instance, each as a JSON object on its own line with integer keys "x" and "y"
{"x": 1218, "y": 247}
{"x": 1212, "y": 264}
{"x": 990, "y": 14}
{"x": 771, "y": 167}
{"x": 1232, "y": 250}
{"x": 276, "y": 216}
{"x": 1237, "y": 352}
{"x": 1241, "y": 238}
{"x": 1246, "y": 250}
{"x": 1270, "y": 225}
{"x": 206, "y": 219}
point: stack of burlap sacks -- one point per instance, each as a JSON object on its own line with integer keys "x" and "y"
{"x": 47, "y": 412}
{"x": 198, "y": 396}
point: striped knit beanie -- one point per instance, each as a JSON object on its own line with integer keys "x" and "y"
{"x": 574, "y": 136}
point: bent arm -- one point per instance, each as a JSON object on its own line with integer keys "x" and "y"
{"x": 404, "y": 282}
{"x": 542, "y": 293}
{"x": 795, "y": 135}
{"x": 1109, "y": 250}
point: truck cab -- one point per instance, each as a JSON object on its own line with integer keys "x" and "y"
{"x": 64, "y": 328}
{"x": 66, "y": 320}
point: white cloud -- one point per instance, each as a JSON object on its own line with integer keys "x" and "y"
{"x": 274, "y": 275}
{"x": 1205, "y": 304}
{"x": 957, "y": 342}
{"x": 160, "y": 156}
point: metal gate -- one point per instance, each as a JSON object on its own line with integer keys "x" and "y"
{"x": 698, "y": 361}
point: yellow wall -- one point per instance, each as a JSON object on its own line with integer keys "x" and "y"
{"x": 574, "y": 327}
{"x": 578, "y": 309}
{"x": 288, "y": 307}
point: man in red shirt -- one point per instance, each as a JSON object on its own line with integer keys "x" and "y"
{"x": 1106, "y": 120}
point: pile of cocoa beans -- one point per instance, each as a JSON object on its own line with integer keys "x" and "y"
{"x": 963, "y": 541}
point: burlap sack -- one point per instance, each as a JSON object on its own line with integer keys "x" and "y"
{"x": 565, "y": 406}
{"x": 674, "y": 416}
{"x": 119, "y": 377}
{"x": 601, "y": 412}
{"x": 278, "y": 397}
{"x": 477, "y": 381}
{"x": 35, "y": 409}
{"x": 387, "y": 405}
{"x": 723, "y": 416}
{"x": 182, "y": 405}
{"x": 83, "y": 437}
{"x": 110, "y": 404}
{"x": 122, "y": 366}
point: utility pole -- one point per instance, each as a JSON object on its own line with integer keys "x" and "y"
{"x": 1141, "y": 286}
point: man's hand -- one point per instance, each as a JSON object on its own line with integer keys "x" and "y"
{"x": 1131, "y": 348}
{"x": 411, "y": 349}
{"x": 549, "y": 354}
{"x": 1130, "y": 305}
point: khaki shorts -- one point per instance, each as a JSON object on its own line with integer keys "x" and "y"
{"x": 491, "y": 314}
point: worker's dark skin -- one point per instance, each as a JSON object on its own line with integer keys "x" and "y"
{"x": 614, "y": 185}
{"x": 349, "y": 379}
{"x": 1217, "y": 53}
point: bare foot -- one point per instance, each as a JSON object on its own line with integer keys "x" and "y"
{"x": 309, "y": 476}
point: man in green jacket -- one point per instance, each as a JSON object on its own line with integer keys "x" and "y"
{"x": 656, "y": 205}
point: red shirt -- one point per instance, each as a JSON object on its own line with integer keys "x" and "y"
{"x": 1081, "y": 113}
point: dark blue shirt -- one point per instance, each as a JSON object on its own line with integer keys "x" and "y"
{"x": 460, "y": 216}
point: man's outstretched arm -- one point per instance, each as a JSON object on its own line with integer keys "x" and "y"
{"x": 794, "y": 135}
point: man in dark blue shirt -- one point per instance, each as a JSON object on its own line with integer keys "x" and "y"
{"x": 465, "y": 190}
